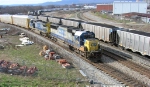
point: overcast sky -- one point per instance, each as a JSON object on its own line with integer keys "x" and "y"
{"x": 10, "y": 2}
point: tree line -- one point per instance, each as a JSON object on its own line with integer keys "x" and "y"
{"x": 18, "y": 9}
{"x": 25, "y": 9}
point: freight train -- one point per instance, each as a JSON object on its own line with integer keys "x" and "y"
{"x": 81, "y": 41}
{"x": 131, "y": 39}
{"x": 137, "y": 41}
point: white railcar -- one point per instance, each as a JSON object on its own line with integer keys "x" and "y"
{"x": 6, "y": 18}
{"x": 21, "y": 20}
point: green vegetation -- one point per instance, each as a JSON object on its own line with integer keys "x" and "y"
{"x": 123, "y": 21}
{"x": 49, "y": 74}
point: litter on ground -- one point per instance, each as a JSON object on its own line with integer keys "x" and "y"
{"x": 24, "y": 38}
{"x": 22, "y": 35}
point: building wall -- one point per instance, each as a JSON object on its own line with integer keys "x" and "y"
{"x": 147, "y": 1}
{"x": 106, "y": 7}
{"x": 127, "y": 7}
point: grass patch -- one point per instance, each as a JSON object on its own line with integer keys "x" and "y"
{"x": 49, "y": 74}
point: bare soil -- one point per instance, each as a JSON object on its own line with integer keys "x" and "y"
{"x": 64, "y": 14}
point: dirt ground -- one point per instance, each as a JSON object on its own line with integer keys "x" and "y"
{"x": 66, "y": 14}
{"x": 144, "y": 27}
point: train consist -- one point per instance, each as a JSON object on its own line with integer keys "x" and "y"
{"x": 137, "y": 41}
{"x": 78, "y": 40}
{"x": 67, "y": 29}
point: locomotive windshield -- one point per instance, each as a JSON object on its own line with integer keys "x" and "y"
{"x": 94, "y": 44}
{"x": 89, "y": 35}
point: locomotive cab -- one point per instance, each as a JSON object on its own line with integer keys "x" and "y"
{"x": 91, "y": 44}
{"x": 88, "y": 44}
{"x": 92, "y": 49}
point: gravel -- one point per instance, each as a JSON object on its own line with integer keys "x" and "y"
{"x": 100, "y": 20}
{"x": 126, "y": 70}
{"x": 136, "y": 59}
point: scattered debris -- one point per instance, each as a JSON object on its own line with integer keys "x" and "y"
{"x": 24, "y": 38}
{"x": 45, "y": 48}
{"x": 66, "y": 65}
{"x": 19, "y": 45}
{"x": 61, "y": 61}
{"x": 56, "y": 56}
{"x": 49, "y": 54}
{"x": 5, "y": 29}
{"x": 27, "y": 42}
{"x": 16, "y": 69}
{"x": 42, "y": 53}
{"x": 83, "y": 74}
{"x": 22, "y": 35}
{"x": 1, "y": 46}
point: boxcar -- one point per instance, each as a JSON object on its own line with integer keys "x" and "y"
{"x": 21, "y": 20}
{"x": 6, "y": 19}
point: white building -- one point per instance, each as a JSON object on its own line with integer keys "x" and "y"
{"x": 90, "y": 7}
{"x": 147, "y": 1}
{"x": 120, "y": 7}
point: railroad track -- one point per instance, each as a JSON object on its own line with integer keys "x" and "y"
{"x": 82, "y": 17}
{"x": 115, "y": 73}
{"x": 129, "y": 64}
{"x": 120, "y": 76}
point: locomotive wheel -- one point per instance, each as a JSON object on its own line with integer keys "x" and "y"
{"x": 71, "y": 48}
{"x": 123, "y": 48}
{"x": 112, "y": 44}
{"x": 50, "y": 37}
{"x": 40, "y": 33}
{"x": 55, "y": 39}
